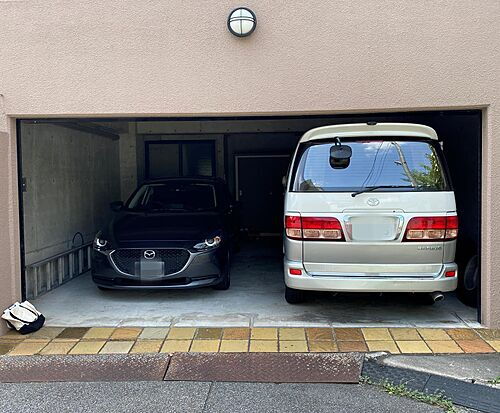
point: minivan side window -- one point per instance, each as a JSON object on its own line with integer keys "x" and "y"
{"x": 412, "y": 165}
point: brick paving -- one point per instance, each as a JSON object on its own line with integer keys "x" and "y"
{"x": 103, "y": 340}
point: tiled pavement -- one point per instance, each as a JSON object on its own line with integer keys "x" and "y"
{"x": 55, "y": 340}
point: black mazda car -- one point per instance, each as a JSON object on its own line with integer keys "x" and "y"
{"x": 171, "y": 234}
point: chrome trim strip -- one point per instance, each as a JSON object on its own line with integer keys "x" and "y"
{"x": 399, "y": 225}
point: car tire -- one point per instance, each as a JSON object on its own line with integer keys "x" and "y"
{"x": 293, "y": 296}
{"x": 226, "y": 278}
{"x": 468, "y": 283}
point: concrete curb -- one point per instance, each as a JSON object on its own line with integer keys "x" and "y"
{"x": 463, "y": 393}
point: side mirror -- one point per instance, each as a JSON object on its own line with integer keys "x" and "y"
{"x": 116, "y": 206}
{"x": 340, "y": 156}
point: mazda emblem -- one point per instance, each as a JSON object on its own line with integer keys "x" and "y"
{"x": 149, "y": 254}
{"x": 372, "y": 201}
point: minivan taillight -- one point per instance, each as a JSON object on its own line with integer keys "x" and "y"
{"x": 313, "y": 228}
{"x": 432, "y": 228}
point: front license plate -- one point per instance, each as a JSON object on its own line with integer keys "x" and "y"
{"x": 147, "y": 269}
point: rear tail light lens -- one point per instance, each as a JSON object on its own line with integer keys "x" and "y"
{"x": 452, "y": 273}
{"x": 313, "y": 228}
{"x": 295, "y": 271}
{"x": 432, "y": 228}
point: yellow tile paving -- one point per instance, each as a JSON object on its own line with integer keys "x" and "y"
{"x": 413, "y": 347}
{"x": 489, "y": 334}
{"x": 495, "y": 344}
{"x": 409, "y": 334}
{"x": 175, "y": 346}
{"x": 153, "y": 333}
{"x": 348, "y": 346}
{"x": 147, "y": 346}
{"x": 55, "y": 340}
{"x": 430, "y": 334}
{"x": 236, "y": 334}
{"x": 290, "y": 346}
{"x": 28, "y": 348}
{"x": 264, "y": 333}
{"x": 377, "y": 334}
{"x": 205, "y": 346}
{"x": 126, "y": 334}
{"x": 57, "y": 348}
{"x": 348, "y": 334}
{"x": 295, "y": 334}
{"x": 47, "y": 333}
{"x": 475, "y": 346}
{"x": 266, "y": 346}
{"x": 209, "y": 333}
{"x": 319, "y": 334}
{"x": 99, "y": 333}
{"x": 181, "y": 333}
{"x": 14, "y": 335}
{"x": 234, "y": 346}
{"x": 389, "y": 346}
{"x": 87, "y": 347}
{"x": 323, "y": 346}
{"x": 117, "y": 347}
{"x": 462, "y": 334}
{"x": 444, "y": 346}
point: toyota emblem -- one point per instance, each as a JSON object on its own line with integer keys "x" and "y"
{"x": 149, "y": 254}
{"x": 372, "y": 201}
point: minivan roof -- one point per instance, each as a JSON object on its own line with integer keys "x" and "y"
{"x": 354, "y": 130}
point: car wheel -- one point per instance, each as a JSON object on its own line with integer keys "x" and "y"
{"x": 293, "y": 296}
{"x": 226, "y": 278}
{"x": 468, "y": 283}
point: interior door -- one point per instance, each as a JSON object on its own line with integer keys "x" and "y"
{"x": 260, "y": 192}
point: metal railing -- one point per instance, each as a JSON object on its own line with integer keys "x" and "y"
{"x": 49, "y": 273}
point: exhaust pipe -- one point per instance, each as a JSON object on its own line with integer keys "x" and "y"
{"x": 436, "y": 296}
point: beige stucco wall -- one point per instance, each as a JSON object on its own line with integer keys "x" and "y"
{"x": 159, "y": 58}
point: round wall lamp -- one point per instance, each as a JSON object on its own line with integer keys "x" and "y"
{"x": 241, "y": 22}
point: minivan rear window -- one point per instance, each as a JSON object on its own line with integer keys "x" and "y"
{"x": 409, "y": 165}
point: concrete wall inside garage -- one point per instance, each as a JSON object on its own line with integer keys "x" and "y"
{"x": 143, "y": 59}
{"x": 71, "y": 177}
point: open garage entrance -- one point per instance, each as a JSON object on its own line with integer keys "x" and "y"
{"x": 71, "y": 170}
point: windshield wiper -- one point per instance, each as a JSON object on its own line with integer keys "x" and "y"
{"x": 373, "y": 188}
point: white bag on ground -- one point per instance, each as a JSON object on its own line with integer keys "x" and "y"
{"x": 23, "y": 317}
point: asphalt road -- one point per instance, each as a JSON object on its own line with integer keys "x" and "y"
{"x": 195, "y": 397}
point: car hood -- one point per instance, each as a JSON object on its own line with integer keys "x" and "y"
{"x": 163, "y": 227}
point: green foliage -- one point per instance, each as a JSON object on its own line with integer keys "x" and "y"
{"x": 496, "y": 380}
{"x": 429, "y": 175}
{"x": 435, "y": 399}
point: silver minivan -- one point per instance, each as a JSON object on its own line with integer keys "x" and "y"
{"x": 369, "y": 208}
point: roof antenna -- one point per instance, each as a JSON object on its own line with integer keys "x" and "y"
{"x": 372, "y": 123}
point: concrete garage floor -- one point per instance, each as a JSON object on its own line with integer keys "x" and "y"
{"x": 255, "y": 299}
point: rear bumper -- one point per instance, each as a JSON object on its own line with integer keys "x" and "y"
{"x": 370, "y": 282}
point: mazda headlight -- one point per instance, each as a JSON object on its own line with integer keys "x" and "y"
{"x": 209, "y": 243}
{"x": 100, "y": 243}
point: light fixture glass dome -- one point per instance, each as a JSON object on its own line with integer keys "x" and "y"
{"x": 242, "y": 22}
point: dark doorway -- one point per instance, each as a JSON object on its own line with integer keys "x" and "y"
{"x": 260, "y": 191}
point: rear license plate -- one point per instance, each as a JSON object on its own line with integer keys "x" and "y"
{"x": 147, "y": 269}
{"x": 373, "y": 228}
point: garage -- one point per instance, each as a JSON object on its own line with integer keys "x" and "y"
{"x": 70, "y": 170}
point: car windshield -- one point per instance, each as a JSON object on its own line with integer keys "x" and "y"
{"x": 384, "y": 164}
{"x": 174, "y": 196}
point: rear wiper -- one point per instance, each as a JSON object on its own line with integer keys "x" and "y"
{"x": 373, "y": 188}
